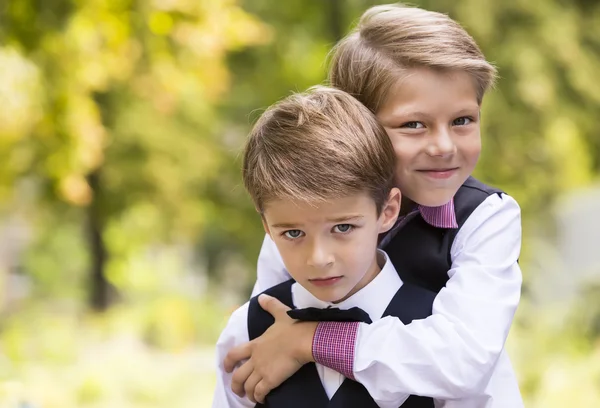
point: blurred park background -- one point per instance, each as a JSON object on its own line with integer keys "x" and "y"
{"x": 126, "y": 237}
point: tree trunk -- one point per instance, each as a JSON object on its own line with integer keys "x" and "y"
{"x": 101, "y": 292}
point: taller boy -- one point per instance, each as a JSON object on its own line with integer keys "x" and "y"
{"x": 424, "y": 77}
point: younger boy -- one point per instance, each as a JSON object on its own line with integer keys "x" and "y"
{"x": 320, "y": 170}
{"x": 424, "y": 77}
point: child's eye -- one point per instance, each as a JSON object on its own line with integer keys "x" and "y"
{"x": 412, "y": 125}
{"x": 343, "y": 228}
{"x": 293, "y": 234}
{"x": 463, "y": 121}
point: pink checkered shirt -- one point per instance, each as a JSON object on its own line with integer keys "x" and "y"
{"x": 334, "y": 342}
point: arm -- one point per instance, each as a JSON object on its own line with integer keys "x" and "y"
{"x": 270, "y": 268}
{"x": 274, "y": 356}
{"x": 452, "y": 353}
{"x": 234, "y": 334}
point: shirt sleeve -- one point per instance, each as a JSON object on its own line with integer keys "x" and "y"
{"x": 333, "y": 346}
{"x": 234, "y": 334}
{"x": 270, "y": 268}
{"x": 452, "y": 353}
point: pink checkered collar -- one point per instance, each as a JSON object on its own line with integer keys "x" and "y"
{"x": 443, "y": 216}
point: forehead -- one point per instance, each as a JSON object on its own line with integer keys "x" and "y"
{"x": 300, "y": 211}
{"x": 433, "y": 92}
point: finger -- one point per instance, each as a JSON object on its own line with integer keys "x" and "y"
{"x": 236, "y": 355}
{"x": 250, "y": 385}
{"x": 261, "y": 390}
{"x": 273, "y": 306}
{"x": 239, "y": 378}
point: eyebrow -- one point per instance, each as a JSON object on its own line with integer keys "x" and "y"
{"x": 468, "y": 111}
{"x": 285, "y": 225}
{"x": 405, "y": 113}
{"x": 344, "y": 218}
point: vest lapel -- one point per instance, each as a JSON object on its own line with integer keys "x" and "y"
{"x": 304, "y": 389}
{"x": 352, "y": 394}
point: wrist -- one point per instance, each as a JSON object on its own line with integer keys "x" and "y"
{"x": 305, "y": 350}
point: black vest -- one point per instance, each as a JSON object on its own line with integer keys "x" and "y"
{"x": 421, "y": 252}
{"x": 304, "y": 389}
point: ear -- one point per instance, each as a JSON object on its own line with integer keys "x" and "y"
{"x": 390, "y": 211}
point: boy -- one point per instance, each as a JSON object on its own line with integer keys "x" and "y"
{"x": 424, "y": 77}
{"x": 320, "y": 170}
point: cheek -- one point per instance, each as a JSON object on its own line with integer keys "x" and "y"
{"x": 360, "y": 255}
{"x": 405, "y": 151}
{"x": 291, "y": 259}
{"x": 471, "y": 148}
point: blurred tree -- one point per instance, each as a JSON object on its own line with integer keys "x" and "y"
{"x": 117, "y": 117}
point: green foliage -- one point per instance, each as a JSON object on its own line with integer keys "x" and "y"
{"x": 124, "y": 92}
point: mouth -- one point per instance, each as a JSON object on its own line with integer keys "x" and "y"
{"x": 321, "y": 282}
{"x": 439, "y": 173}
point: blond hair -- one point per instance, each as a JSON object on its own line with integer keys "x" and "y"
{"x": 316, "y": 146}
{"x": 391, "y": 39}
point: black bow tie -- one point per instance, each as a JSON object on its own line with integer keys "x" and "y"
{"x": 332, "y": 314}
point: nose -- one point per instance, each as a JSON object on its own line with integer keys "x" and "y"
{"x": 319, "y": 255}
{"x": 441, "y": 144}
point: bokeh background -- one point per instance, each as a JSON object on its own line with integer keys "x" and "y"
{"x": 126, "y": 238}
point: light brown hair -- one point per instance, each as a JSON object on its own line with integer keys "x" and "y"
{"x": 317, "y": 146}
{"x": 391, "y": 39}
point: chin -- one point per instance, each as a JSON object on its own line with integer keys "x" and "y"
{"x": 331, "y": 297}
{"x": 436, "y": 201}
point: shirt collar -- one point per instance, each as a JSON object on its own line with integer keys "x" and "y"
{"x": 374, "y": 298}
{"x": 443, "y": 216}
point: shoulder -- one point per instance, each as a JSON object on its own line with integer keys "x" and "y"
{"x": 282, "y": 291}
{"x": 259, "y": 320}
{"x": 495, "y": 222}
{"x": 495, "y": 205}
{"x": 475, "y": 198}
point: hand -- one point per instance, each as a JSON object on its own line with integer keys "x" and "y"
{"x": 273, "y": 357}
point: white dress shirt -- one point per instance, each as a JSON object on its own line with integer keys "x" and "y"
{"x": 373, "y": 299}
{"x": 457, "y": 354}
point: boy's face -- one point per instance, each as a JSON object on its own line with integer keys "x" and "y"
{"x": 330, "y": 248}
{"x": 432, "y": 118}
